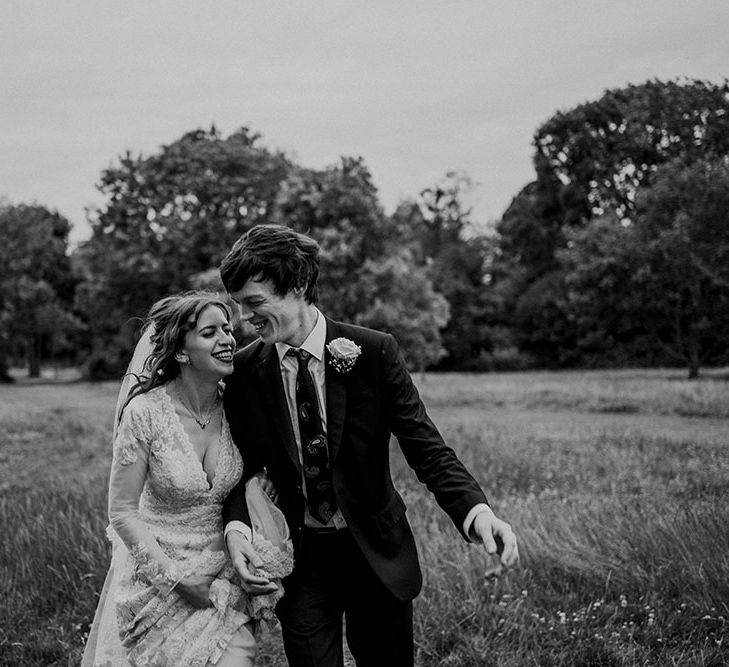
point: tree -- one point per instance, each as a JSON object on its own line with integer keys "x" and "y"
{"x": 609, "y": 314}
{"x": 397, "y": 296}
{"x": 339, "y": 207}
{"x": 665, "y": 274}
{"x": 167, "y": 217}
{"x": 591, "y": 161}
{"x": 367, "y": 276}
{"x": 544, "y": 324}
{"x": 440, "y": 231}
{"x": 36, "y": 284}
{"x": 682, "y": 223}
{"x": 602, "y": 152}
{"x": 170, "y": 218}
{"x": 530, "y": 233}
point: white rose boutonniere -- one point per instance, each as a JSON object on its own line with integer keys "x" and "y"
{"x": 343, "y": 353}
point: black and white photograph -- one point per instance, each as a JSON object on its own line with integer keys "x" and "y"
{"x": 364, "y": 334}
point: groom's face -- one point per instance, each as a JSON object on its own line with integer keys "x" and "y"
{"x": 276, "y": 318}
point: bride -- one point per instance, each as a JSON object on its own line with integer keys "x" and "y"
{"x": 171, "y": 596}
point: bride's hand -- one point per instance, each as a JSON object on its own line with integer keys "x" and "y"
{"x": 195, "y": 589}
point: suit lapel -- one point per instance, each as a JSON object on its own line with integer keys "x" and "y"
{"x": 336, "y": 391}
{"x": 275, "y": 397}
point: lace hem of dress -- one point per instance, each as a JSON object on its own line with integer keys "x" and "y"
{"x": 153, "y": 637}
{"x": 277, "y": 563}
{"x": 163, "y": 631}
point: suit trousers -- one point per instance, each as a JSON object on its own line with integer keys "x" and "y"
{"x": 333, "y": 580}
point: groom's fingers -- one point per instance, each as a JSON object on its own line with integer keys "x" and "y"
{"x": 241, "y": 550}
{"x": 509, "y": 550}
{"x": 262, "y": 589}
{"x": 250, "y": 582}
{"x": 485, "y": 529}
{"x": 246, "y": 561}
{"x": 249, "y": 553}
{"x": 498, "y": 538}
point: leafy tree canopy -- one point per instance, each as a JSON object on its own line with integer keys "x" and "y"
{"x": 592, "y": 162}
{"x": 171, "y": 216}
{"x": 603, "y": 151}
{"x": 36, "y": 283}
{"x": 666, "y": 274}
{"x": 440, "y": 230}
{"x": 366, "y": 276}
{"x": 592, "y": 159}
{"x": 397, "y": 296}
{"x": 168, "y": 216}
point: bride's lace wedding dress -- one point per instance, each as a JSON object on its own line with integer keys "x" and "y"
{"x": 166, "y": 523}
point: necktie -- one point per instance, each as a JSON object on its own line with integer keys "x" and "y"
{"x": 315, "y": 458}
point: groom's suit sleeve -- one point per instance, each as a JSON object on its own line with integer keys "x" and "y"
{"x": 235, "y": 508}
{"x": 435, "y": 463}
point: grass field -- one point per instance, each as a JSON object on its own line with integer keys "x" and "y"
{"x": 615, "y": 482}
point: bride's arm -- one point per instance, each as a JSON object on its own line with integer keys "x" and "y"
{"x": 128, "y": 474}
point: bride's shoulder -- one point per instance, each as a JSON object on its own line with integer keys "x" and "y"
{"x": 148, "y": 401}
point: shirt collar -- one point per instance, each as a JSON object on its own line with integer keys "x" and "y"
{"x": 314, "y": 343}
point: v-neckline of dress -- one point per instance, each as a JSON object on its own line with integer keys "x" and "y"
{"x": 191, "y": 448}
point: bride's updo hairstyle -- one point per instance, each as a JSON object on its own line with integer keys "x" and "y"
{"x": 170, "y": 319}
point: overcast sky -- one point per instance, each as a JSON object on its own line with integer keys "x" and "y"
{"x": 416, "y": 88}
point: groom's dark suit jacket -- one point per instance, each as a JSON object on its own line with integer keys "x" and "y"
{"x": 364, "y": 405}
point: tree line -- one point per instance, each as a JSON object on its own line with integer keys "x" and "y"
{"x": 615, "y": 254}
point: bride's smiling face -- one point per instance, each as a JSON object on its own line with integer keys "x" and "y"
{"x": 208, "y": 347}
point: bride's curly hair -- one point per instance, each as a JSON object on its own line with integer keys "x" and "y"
{"x": 171, "y": 318}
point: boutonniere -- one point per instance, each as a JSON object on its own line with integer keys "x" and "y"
{"x": 343, "y": 353}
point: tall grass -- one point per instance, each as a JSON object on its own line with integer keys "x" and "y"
{"x": 53, "y": 554}
{"x": 621, "y": 515}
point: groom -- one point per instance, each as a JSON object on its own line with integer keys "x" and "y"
{"x": 314, "y": 402}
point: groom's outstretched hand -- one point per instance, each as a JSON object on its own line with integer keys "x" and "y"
{"x": 496, "y": 536}
{"x": 246, "y": 562}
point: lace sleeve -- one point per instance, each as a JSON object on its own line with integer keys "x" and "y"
{"x": 133, "y": 433}
{"x": 128, "y": 476}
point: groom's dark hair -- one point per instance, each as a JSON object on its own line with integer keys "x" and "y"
{"x": 288, "y": 259}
